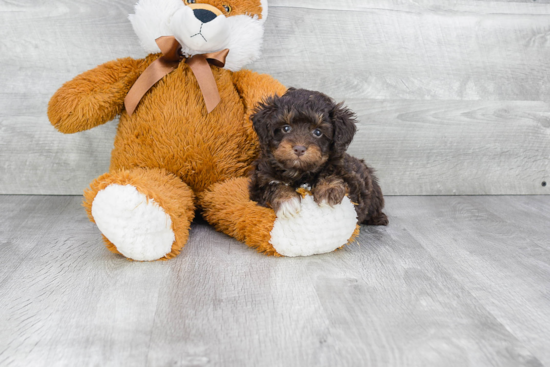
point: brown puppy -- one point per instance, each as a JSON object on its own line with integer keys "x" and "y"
{"x": 304, "y": 136}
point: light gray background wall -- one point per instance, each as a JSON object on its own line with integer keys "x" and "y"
{"x": 452, "y": 96}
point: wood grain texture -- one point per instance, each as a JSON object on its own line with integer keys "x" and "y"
{"x": 455, "y": 147}
{"x": 33, "y": 216}
{"x": 498, "y": 248}
{"x": 441, "y": 57}
{"x": 453, "y": 281}
{"x": 405, "y": 50}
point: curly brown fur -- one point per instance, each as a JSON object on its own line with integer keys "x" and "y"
{"x": 303, "y": 138}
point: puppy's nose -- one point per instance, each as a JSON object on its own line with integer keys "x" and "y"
{"x": 204, "y": 15}
{"x": 299, "y": 150}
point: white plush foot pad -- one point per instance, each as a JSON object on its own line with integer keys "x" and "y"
{"x": 315, "y": 229}
{"x": 140, "y": 229}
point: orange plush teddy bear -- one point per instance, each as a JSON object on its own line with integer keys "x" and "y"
{"x": 185, "y": 141}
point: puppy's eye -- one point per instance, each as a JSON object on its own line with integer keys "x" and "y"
{"x": 317, "y": 133}
{"x": 190, "y": 1}
{"x": 286, "y": 129}
{"x": 227, "y": 8}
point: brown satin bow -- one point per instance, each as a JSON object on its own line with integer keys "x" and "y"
{"x": 168, "y": 62}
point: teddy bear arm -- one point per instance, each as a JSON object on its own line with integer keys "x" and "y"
{"x": 227, "y": 206}
{"x": 94, "y": 97}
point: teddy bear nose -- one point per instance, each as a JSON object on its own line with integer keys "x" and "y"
{"x": 204, "y": 15}
{"x": 299, "y": 150}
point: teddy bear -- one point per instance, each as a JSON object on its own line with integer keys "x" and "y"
{"x": 185, "y": 141}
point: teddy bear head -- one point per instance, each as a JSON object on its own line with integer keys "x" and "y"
{"x": 204, "y": 26}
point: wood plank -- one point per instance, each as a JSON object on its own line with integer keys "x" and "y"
{"x": 479, "y": 7}
{"x": 34, "y": 216}
{"x": 387, "y": 301}
{"x": 530, "y": 213}
{"x": 381, "y": 305}
{"x": 455, "y": 147}
{"x": 393, "y": 50}
{"x": 44, "y": 45}
{"x": 71, "y": 300}
{"x": 495, "y": 250}
{"x": 408, "y": 310}
{"x": 417, "y": 147}
{"x": 36, "y": 159}
{"x": 534, "y": 206}
{"x": 400, "y": 50}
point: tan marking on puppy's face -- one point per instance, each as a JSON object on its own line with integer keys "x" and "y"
{"x": 309, "y": 161}
{"x": 284, "y": 152}
{"x": 233, "y": 7}
{"x": 288, "y": 117}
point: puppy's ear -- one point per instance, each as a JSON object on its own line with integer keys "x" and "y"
{"x": 343, "y": 120}
{"x": 262, "y": 119}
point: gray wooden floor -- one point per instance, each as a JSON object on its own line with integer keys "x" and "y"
{"x": 453, "y": 281}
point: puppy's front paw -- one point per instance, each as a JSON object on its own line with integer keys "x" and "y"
{"x": 329, "y": 193}
{"x": 289, "y": 208}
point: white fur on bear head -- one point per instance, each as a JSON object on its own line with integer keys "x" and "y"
{"x": 242, "y": 34}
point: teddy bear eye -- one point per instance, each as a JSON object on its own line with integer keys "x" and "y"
{"x": 227, "y": 8}
{"x": 317, "y": 133}
{"x": 191, "y": 1}
{"x": 286, "y": 129}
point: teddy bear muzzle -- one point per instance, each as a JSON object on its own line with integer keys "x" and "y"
{"x": 200, "y": 27}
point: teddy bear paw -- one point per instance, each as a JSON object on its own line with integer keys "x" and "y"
{"x": 315, "y": 229}
{"x": 138, "y": 227}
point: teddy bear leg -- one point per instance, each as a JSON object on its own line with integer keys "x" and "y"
{"x": 144, "y": 214}
{"x": 228, "y": 208}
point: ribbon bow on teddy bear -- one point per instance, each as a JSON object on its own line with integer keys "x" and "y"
{"x": 168, "y": 62}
